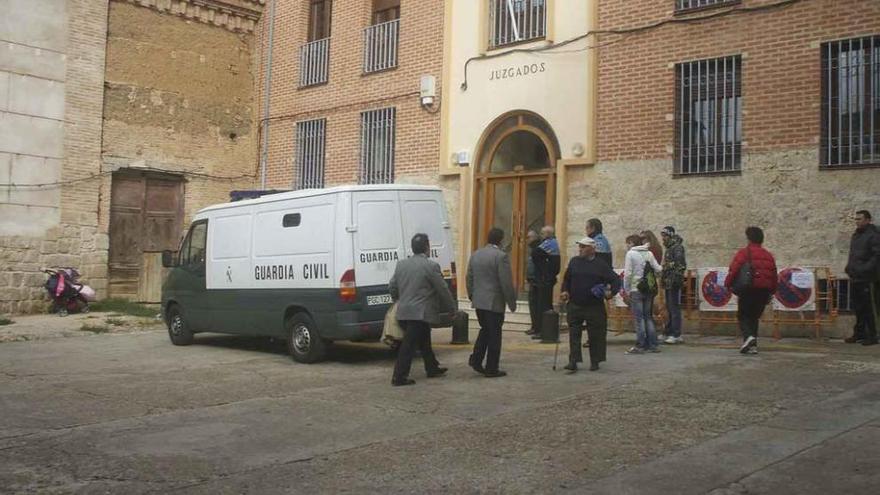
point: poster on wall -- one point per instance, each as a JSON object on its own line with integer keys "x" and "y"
{"x": 796, "y": 290}
{"x": 618, "y": 298}
{"x": 712, "y": 293}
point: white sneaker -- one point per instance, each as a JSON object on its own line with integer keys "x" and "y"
{"x": 748, "y": 344}
{"x": 670, "y": 340}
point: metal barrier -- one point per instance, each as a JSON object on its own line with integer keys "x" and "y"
{"x": 380, "y": 46}
{"x": 314, "y": 62}
{"x": 820, "y": 309}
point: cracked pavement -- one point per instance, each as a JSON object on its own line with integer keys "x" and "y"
{"x": 130, "y": 413}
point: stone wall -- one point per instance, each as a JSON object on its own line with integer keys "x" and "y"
{"x": 52, "y": 61}
{"x": 179, "y": 90}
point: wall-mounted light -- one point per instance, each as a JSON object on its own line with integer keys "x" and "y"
{"x": 427, "y": 90}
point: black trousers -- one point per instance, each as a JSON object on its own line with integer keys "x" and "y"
{"x": 750, "y": 307}
{"x": 415, "y": 334}
{"x": 534, "y": 312}
{"x": 866, "y": 303}
{"x": 595, "y": 319}
{"x": 540, "y": 300}
{"x": 488, "y": 344}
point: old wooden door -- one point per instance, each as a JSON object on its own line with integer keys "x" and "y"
{"x": 146, "y": 216}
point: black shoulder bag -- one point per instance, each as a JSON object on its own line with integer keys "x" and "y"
{"x": 744, "y": 276}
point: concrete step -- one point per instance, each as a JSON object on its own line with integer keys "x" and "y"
{"x": 519, "y": 317}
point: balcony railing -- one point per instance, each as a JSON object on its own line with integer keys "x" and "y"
{"x": 380, "y": 46}
{"x": 314, "y": 62}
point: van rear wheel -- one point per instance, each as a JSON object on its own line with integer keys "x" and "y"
{"x": 178, "y": 330}
{"x": 303, "y": 341}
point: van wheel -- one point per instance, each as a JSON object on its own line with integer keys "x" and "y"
{"x": 303, "y": 341}
{"x": 178, "y": 330}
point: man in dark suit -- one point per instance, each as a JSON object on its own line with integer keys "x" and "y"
{"x": 490, "y": 286}
{"x": 422, "y": 297}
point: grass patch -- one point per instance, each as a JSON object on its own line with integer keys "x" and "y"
{"x": 124, "y": 306}
{"x": 116, "y": 322}
{"x": 94, "y": 328}
{"x": 5, "y": 321}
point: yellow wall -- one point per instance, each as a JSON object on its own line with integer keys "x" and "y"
{"x": 562, "y": 91}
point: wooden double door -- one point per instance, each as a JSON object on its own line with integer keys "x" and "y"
{"x": 146, "y": 217}
{"x": 517, "y": 204}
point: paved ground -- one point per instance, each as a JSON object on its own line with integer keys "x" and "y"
{"x": 128, "y": 412}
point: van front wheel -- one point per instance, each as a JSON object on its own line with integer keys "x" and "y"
{"x": 303, "y": 341}
{"x": 178, "y": 330}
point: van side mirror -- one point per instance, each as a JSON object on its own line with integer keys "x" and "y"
{"x": 168, "y": 260}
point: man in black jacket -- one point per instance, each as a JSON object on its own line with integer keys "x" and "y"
{"x": 545, "y": 259}
{"x": 587, "y": 283}
{"x": 863, "y": 268}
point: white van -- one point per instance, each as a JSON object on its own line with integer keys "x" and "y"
{"x": 311, "y": 266}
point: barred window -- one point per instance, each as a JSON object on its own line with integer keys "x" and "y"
{"x": 377, "y": 146}
{"x": 310, "y": 154}
{"x": 850, "y": 103}
{"x": 708, "y": 116}
{"x": 513, "y": 21}
{"x": 681, "y": 5}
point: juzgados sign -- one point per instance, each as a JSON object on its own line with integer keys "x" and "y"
{"x": 517, "y": 71}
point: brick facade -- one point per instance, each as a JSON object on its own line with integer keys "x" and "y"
{"x": 349, "y": 91}
{"x": 781, "y": 69}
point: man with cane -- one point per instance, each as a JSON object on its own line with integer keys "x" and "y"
{"x": 587, "y": 283}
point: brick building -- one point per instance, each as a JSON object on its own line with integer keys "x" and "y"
{"x": 118, "y": 120}
{"x": 344, "y": 86}
{"x": 712, "y": 125}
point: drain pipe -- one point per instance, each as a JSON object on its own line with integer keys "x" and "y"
{"x": 264, "y": 157}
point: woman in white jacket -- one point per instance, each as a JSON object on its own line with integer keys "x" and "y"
{"x": 638, "y": 256}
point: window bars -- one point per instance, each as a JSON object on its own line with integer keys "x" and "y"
{"x": 850, "y": 103}
{"x": 314, "y": 62}
{"x": 513, "y": 21}
{"x": 698, "y": 4}
{"x": 310, "y": 145}
{"x": 708, "y": 116}
{"x": 377, "y": 146}
{"x": 380, "y": 46}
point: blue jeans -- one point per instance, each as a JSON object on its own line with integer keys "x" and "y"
{"x": 642, "y": 305}
{"x": 673, "y": 307}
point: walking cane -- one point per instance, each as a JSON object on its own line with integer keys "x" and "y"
{"x": 556, "y": 352}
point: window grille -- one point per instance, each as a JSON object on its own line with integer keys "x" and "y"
{"x": 377, "y": 146}
{"x": 681, "y": 5}
{"x": 513, "y": 21}
{"x": 850, "y": 102}
{"x": 310, "y": 145}
{"x": 708, "y": 116}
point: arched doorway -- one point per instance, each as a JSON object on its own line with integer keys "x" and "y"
{"x": 515, "y": 184}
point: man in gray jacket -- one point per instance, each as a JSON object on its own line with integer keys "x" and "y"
{"x": 422, "y": 297}
{"x": 490, "y": 286}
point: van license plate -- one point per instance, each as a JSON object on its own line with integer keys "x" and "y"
{"x": 377, "y": 300}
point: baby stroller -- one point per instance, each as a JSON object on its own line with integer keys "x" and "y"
{"x": 68, "y": 295}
